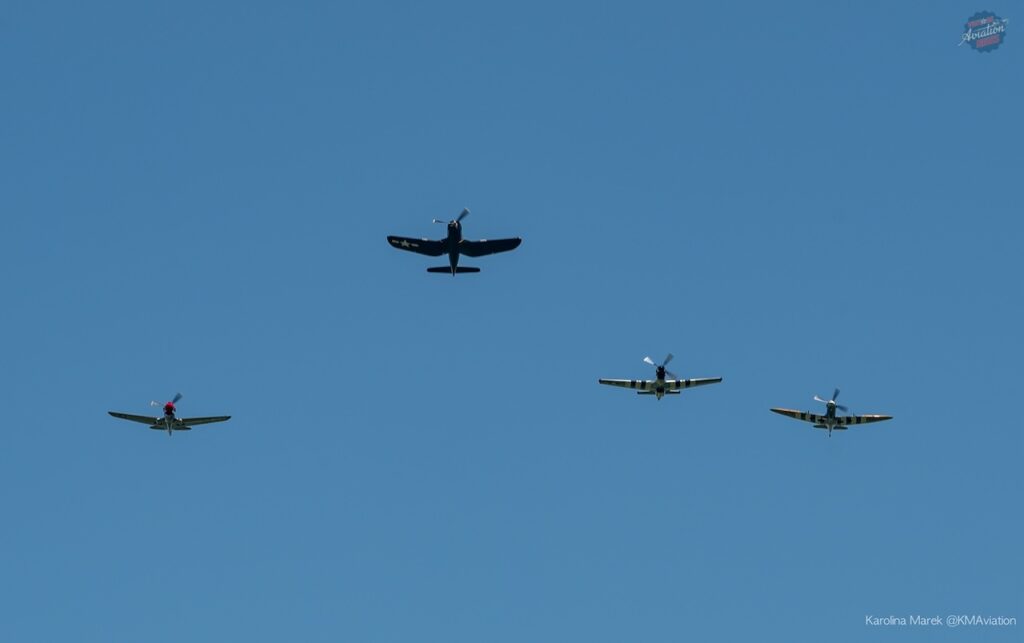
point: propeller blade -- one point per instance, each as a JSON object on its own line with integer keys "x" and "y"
{"x": 842, "y": 408}
{"x": 818, "y": 399}
{"x": 668, "y": 358}
{"x": 648, "y": 360}
{"x": 439, "y": 221}
{"x": 177, "y": 396}
{"x": 835, "y": 395}
{"x": 671, "y": 375}
{"x": 463, "y": 215}
{"x": 155, "y": 403}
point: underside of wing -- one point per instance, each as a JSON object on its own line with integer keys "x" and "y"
{"x": 488, "y": 247}
{"x": 143, "y": 419}
{"x": 801, "y": 415}
{"x": 427, "y": 247}
{"x": 207, "y": 420}
{"x": 675, "y": 385}
{"x": 847, "y": 420}
{"x": 640, "y": 385}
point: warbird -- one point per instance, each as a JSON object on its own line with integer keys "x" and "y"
{"x": 660, "y": 386}
{"x": 830, "y": 420}
{"x": 454, "y": 245}
{"x": 169, "y": 422}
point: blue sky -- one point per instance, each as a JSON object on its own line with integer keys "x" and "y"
{"x": 793, "y": 197}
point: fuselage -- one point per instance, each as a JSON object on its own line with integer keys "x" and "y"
{"x": 452, "y": 244}
{"x": 830, "y": 417}
{"x": 659, "y": 382}
{"x": 169, "y": 418}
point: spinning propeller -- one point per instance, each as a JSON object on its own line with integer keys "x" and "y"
{"x": 462, "y": 215}
{"x": 668, "y": 358}
{"x": 835, "y": 394}
{"x": 177, "y": 396}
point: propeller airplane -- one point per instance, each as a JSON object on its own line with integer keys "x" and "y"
{"x": 170, "y": 422}
{"x": 454, "y": 245}
{"x": 830, "y": 420}
{"x": 660, "y": 386}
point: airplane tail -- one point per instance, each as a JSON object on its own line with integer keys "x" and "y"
{"x": 448, "y": 269}
{"x": 652, "y": 393}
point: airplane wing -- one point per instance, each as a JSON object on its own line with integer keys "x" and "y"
{"x": 195, "y": 421}
{"x": 144, "y": 419}
{"x": 842, "y": 420}
{"x": 801, "y": 415}
{"x": 847, "y": 420}
{"x": 675, "y": 385}
{"x": 485, "y": 247}
{"x": 423, "y": 246}
{"x": 641, "y": 385}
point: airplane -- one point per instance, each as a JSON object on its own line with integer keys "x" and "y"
{"x": 660, "y": 386}
{"x": 169, "y": 422}
{"x": 454, "y": 245}
{"x": 830, "y": 420}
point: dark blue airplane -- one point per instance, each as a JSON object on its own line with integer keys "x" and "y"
{"x": 454, "y": 245}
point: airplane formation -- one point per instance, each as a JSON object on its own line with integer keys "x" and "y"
{"x": 665, "y": 382}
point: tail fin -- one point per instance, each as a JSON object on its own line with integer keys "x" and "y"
{"x": 448, "y": 269}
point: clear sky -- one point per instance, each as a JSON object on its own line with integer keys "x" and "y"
{"x": 195, "y": 196}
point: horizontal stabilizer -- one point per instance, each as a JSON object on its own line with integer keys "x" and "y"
{"x": 652, "y": 393}
{"x": 448, "y": 269}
